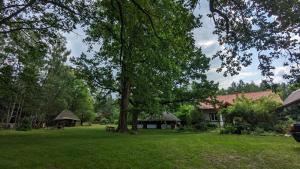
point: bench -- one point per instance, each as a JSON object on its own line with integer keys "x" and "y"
{"x": 110, "y": 128}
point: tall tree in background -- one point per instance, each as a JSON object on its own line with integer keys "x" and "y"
{"x": 21, "y": 70}
{"x": 61, "y": 89}
{"x": 29, "y": 30}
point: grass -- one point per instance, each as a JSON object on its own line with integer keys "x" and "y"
{"x": 92, "y": 147}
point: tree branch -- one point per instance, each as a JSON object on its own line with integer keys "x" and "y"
{"x": 121, "y": 31}
{"x": 214, "y": 10}
{"x": 5, "y": 20}
{"x": 148, "y": 15}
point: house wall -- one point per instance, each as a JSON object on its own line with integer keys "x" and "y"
{"x": 207, "y": 117}
{"x": 140, "y": 126}
{"x": 157, "y": 124}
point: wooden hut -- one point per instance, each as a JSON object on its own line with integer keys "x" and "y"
{"x": 165, "y": 120}
{"x": 66, "y": 118}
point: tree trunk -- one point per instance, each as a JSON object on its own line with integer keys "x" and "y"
{"x": 81, "y": 120}
{"x": 20, "y": 113}
{"x": 10, "y": 114}
{"x": 17, "y": 113}
{"x": 135, "y": 115}
{"x": 124, "y": 104}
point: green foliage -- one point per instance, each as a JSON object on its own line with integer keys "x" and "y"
{"x": 136, "y": 50}
{"x": 190, "y": 115}
{"x": 259, "y": 113}
{"x": 228, "y": 129}
{"x": 283, "y": 126}
{"x": 24, "y": 125}
{"x": 104, "y": 121}
{"x": 258, "y": 131}
{"x": 257, "y": 29}
{"x": 184, "y": 113}
{"x": 44, "y": 18}
{"x": 43, "y": 86}
{"x": 201, "y": 126}
{"x": 82, "y": 101}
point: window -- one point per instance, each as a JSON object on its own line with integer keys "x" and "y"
{"x": 213, "y": 117}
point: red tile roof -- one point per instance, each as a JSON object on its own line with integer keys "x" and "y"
{"x": 230, "y": 98}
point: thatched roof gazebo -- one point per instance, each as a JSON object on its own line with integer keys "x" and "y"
{"x": 169, "y": 117}
{"x": 66, "y": 118}
{"x": 165, "y": 120}
{"x": 293, "y": 98}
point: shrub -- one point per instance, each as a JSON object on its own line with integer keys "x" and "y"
{"x": 228, "y": 129}
{"x": 240, "y": 128}
{"x": 258, "y": 131}
{"x": 247, "y": 114}
{"x": 212, "y": 126}
{"x": 283, "y": 126}
{"x": 24, "y": 125}
{"x": 189, "y": 115}
{"x": 266, "y": 126}
{"x": 104, "y": 121}
{"x": 201, "y": 126}
{"x": 116, "y": 121}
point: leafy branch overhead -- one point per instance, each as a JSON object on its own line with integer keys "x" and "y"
{"x": 270, "y": 28}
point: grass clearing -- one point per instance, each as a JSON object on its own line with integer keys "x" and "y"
{"x": 92, "y": 147}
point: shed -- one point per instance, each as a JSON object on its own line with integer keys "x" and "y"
{"x": 293, "y": 98}
{"x": 66, "y": 118}
{"x": 165, "y": 120}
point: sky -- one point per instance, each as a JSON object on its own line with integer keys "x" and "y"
{"x": 205, "y": 39}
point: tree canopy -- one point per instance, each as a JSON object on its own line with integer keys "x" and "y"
{"x": 151, "y": 63}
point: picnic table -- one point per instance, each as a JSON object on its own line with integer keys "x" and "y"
{"x": 110, "y": 129}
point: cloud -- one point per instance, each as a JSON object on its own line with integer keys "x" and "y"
{"x": 206, "y": 44}
{"x": 224, "y": 82}
{"x": 75, "y": 42}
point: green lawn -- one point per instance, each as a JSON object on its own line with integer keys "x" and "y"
{"x": 92, "y": 147}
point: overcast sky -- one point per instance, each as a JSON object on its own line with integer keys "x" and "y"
{"x": 208, "y": 42}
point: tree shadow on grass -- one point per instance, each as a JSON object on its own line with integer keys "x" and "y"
{"x": 297, "y": 148}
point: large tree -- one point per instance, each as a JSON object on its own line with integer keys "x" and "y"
{"x": 148, "y": 61}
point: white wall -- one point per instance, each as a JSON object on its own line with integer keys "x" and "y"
{"x": 151, "y": 126}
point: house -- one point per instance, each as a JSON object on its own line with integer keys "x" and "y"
{"x": 165, "y": 120}
{"x": 292, "y": 99}
{"x": 66, "y": 118}
{"x": 211, "y": 109}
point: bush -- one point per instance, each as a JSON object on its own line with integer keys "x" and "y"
{"x": 258, "y": 131}
{"x": 201, "y": 126}
{"x": 247, "y": 115}
{"x": 236, "y": 129}
{"x": 189, "y": 115}
{"x": 104, "y": 121}
{"x": 266, "y": 126}
{"x": 228, "y": 129}
{"x": 211, "y": 125}
{"x": 283, "y": 126}
{"x": 24, "y": 125}
{"x": 116, "y": 121}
